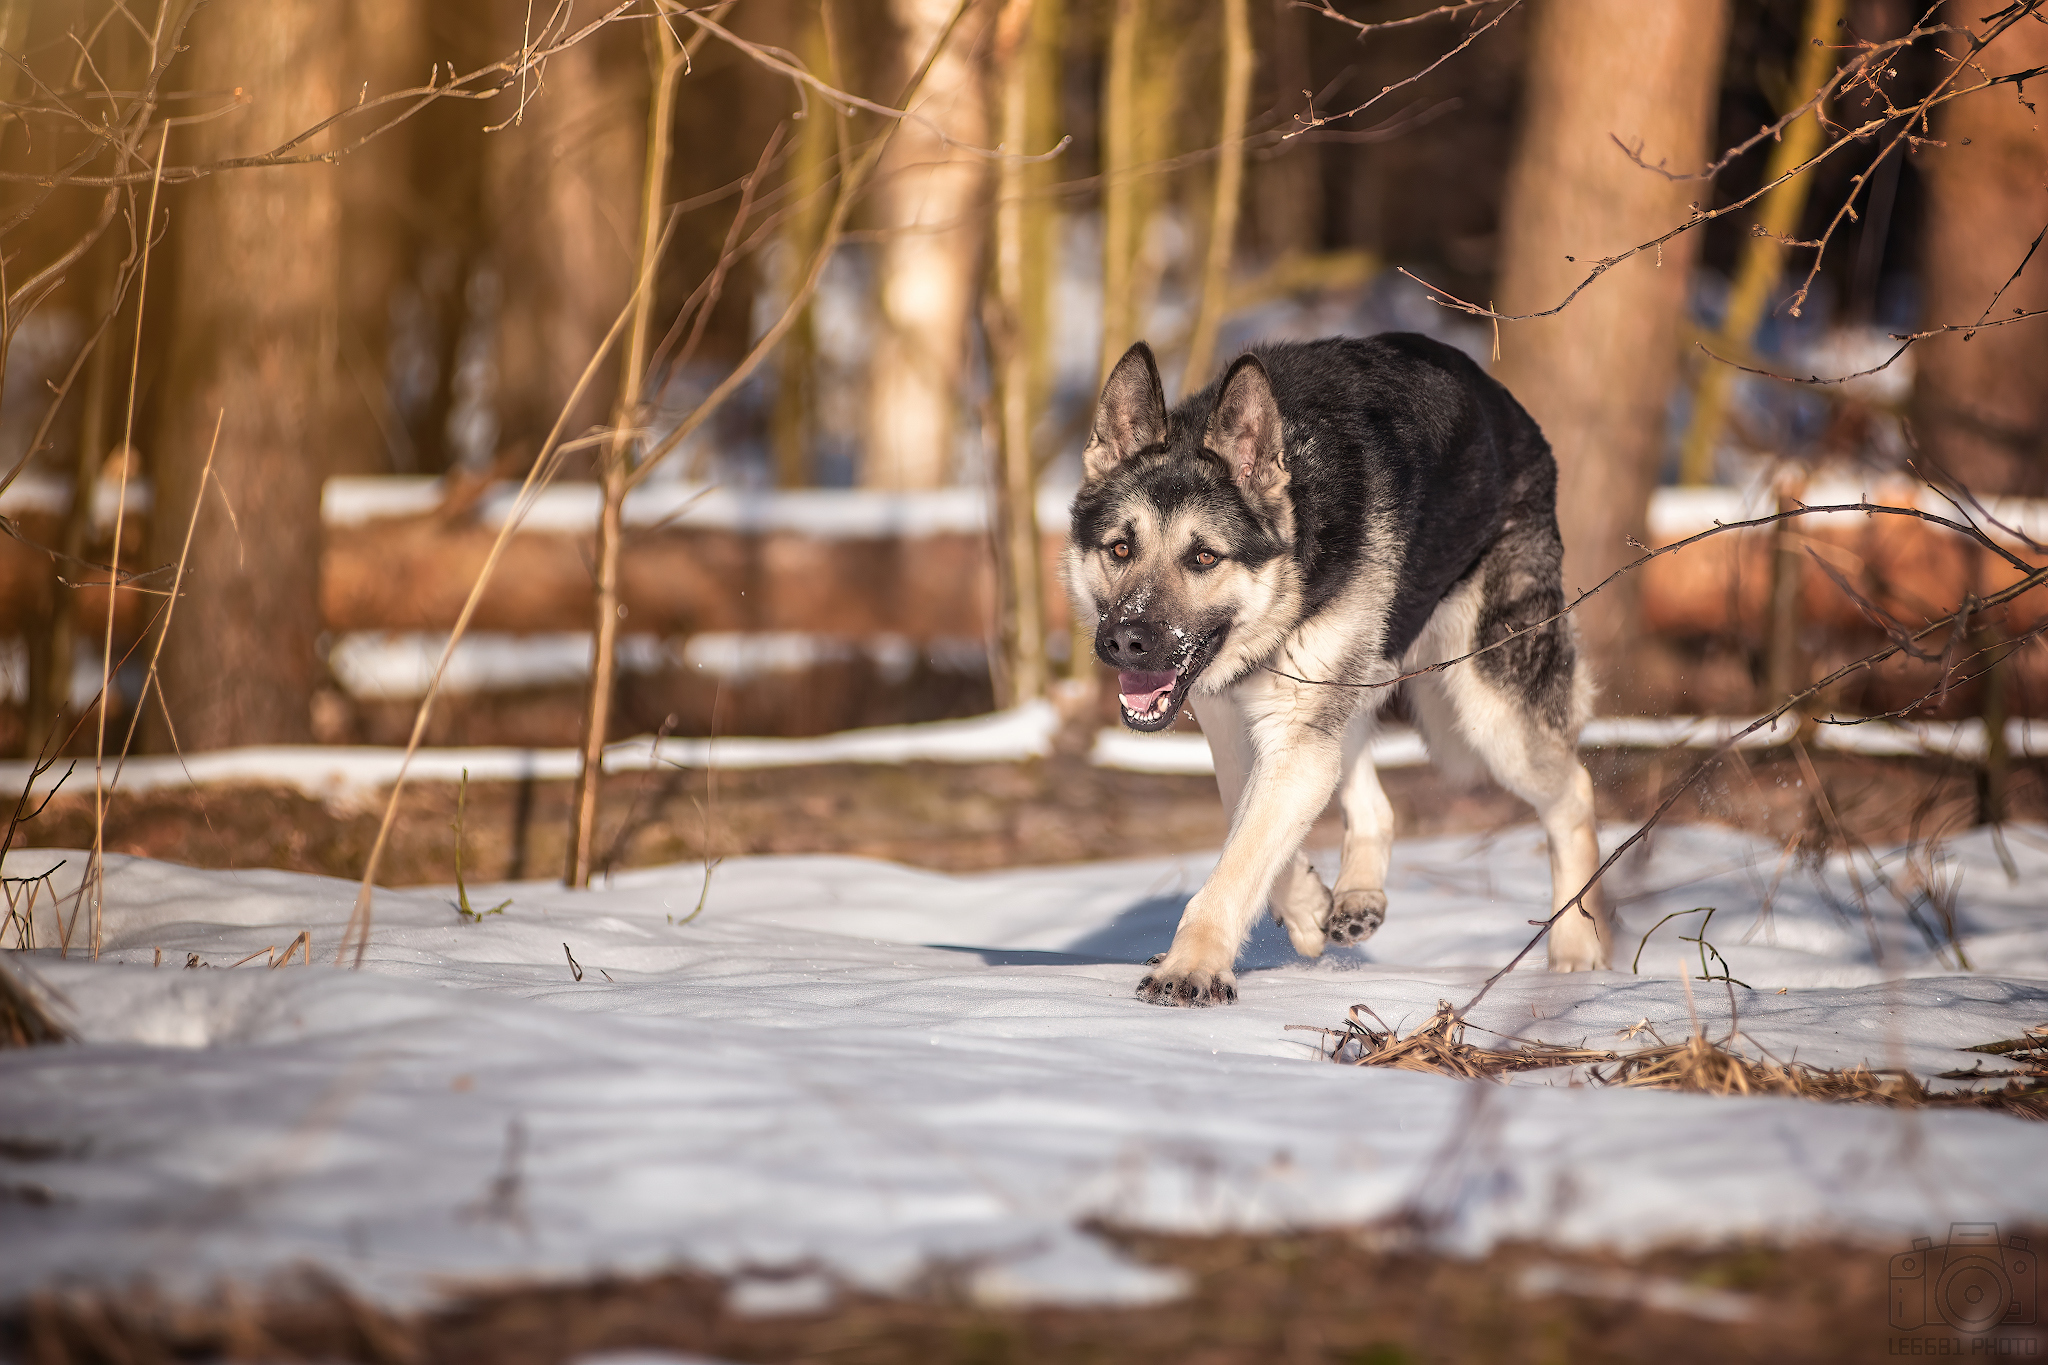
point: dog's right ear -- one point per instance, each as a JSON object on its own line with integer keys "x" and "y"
{"x": 1131, "y": 415}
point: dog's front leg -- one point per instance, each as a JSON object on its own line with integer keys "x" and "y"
{"x": 1293, "y": 771}
{"x": 1299, "y": 900}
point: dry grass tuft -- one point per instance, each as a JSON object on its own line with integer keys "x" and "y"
{"x": 1438, "y": 1045}
{"x": 1706, "y": 1068}
{"x": 1696, "y": 1066}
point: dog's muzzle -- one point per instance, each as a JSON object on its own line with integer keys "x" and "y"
{"x": 1154, "y": 668}
{"x": 1146, "y": 680}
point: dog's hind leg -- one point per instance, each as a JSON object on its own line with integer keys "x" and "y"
{"x": 1518, "y": 709}
{"x": 1359, "y": 905}
{"x": 1299, "y": 902}
{"x": 1542, "y": 768}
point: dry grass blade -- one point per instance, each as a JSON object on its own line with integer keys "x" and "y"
{"x": 25, "y": 1021}
{"x": 2030, "y": 1049}
{"x": 95, "y": 871}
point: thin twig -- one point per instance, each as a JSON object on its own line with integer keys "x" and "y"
{"x": 96, "y": 866}
{"x": 1314, "y": 120}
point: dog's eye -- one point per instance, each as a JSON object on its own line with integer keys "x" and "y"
{"x": 1205, "y": 558}
{"x": 1122, "y": 549}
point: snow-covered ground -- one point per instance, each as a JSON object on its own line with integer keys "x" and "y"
{"x": 848, "y": 1068}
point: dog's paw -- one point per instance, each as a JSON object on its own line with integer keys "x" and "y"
{"x": 1588, "y": 958}
{"x": 1193, "y": 989}
{"x": 1356, "y": 916}
{"x": 1302, "y": 912}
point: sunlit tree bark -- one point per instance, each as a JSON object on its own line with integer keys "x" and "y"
{"x": 1599, "y": 374}
{"x": 929, "y": 200}
{"x": 255, "y": 288}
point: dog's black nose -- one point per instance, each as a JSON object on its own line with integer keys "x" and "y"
{"x": 1130, "y": 644}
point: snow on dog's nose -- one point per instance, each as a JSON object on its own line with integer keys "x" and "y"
{"x": 1143, "y": 693}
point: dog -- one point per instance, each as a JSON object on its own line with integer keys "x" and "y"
{"x": 1280, "y": 548}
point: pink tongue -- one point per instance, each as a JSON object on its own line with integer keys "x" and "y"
{"x": 1140, "y": 692}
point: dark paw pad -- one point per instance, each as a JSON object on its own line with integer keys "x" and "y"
{"x": 1193, "y": 989}
{"x": 1356, "y": 916}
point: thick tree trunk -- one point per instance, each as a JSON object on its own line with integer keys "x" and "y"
{"x": 1981, "y": 401}
{"x": 929, "y": 201}
{"x": 1598, "y": 375}
{"x": 1285, "y": 204}
{"x": 564, "y": 194}
{"x": 255, "y": 289}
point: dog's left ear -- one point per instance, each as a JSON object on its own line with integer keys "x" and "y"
{"x": 1244, "y": 428}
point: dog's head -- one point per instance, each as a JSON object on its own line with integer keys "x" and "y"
{"x": 1182, "y": 535}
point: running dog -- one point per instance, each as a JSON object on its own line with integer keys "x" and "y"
{"x": 1275, "y": 551}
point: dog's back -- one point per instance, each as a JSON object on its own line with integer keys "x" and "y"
{"x": 1400, "y": 448}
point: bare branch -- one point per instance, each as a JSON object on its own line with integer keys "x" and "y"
{"x": 1330, "y": 11}
{"x": 845, "y": 101}
{"x": 1314, "y": 120}
{"x": 1907, "y": 339}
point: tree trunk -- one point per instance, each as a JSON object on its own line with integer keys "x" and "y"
{"x": 1597, "y": 375}
{"x": 1285, "y": 204}
{"x": 380, "y": 241}
{"x": 793, "y": 430}
{"x": 1222, "y": 243}
{"x": 1980, "y": 400}
{"x": 52, "y": 659}
{"x": 564, "y": 191}
{"x": 929, "y": 266}
{"x": 1014, "y": 341}
{"x": 1118, "y": 136}
{"x": 255, "y": 291}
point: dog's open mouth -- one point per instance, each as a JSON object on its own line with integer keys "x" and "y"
{"x": 1148, "y": 698}
{"x": 1152, "y": 697}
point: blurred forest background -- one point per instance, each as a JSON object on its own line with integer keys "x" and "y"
{"x": 297, "y": 291}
